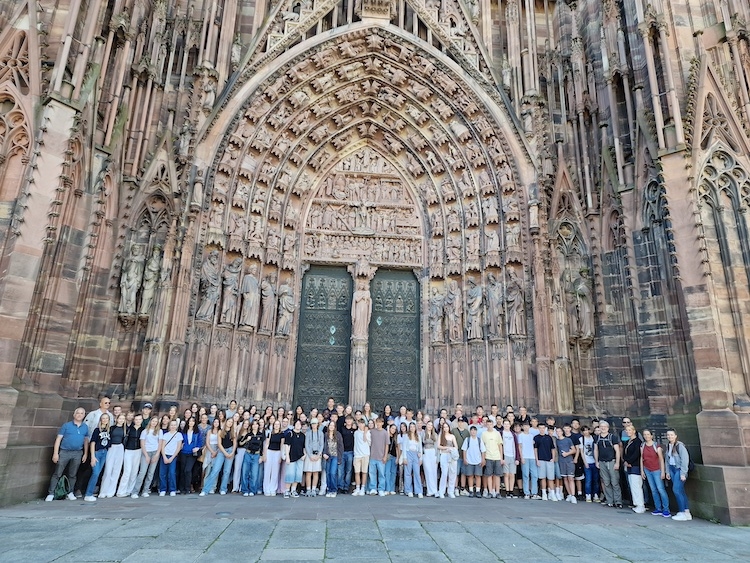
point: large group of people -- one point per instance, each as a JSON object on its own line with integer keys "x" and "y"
{"x": 337, "y": 450}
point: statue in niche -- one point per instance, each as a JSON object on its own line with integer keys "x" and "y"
{"x": 208, "y": 288}
{"x": 454, "y": 311}
{"x": 578, "y": 296}
{"x": 492, "y": 241}
{"x": 231, "y": 283}
{"x": 490, "y": 211}
{"x": 186, "y": 134}
{"x": 268, "y": 302}
{"x": 437, "y": 315}
{"x": 256, "y": 228}
{"x": 512, "y": 236}
{"x": 150, "y": 277}
{"x": 250, "y": 298}
{"x": 286, "y": 308}
{"x": 473, "y": 6}
{"x": 241, "y": 194}
{"x": 130, "y": 281}
{"x": 474, "y": 308}
{"x": 217, "y": 217}
{"x": 494, "y": 306}
{"x": 361, "y": 310}
{"x": 514, "y": 297}
{"x": 436, "y": 252}
{"x": 209, "y": 94}
{"x": 237, "y": 224}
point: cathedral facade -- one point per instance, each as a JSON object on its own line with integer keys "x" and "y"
{"x": 420, "y": 202}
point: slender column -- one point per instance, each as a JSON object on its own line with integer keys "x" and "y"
{"x": 674, "y": 103}
{"x": 653, "y": 84}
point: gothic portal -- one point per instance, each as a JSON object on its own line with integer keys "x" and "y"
{"x": 427, "y": 202}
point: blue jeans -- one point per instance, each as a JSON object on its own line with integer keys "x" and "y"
{"x": 412, "y": 479}
{"x": 390, "y": 474}
{"x": 250, "y": 466}
{"x": 658, "y": 491}
{"x": 591, "y": 473}
{"x": 168, "y": 476}
{"x": 678, "y": 488}
{"x": 221, "y": 464}
{"x": 332, "y": 474}
{"x": 530, "y": 476}
{"x": 259, "y": 478}
{"x": 376, "y": 475}
{"x": 101, "y": 458}
{"x": 345, "y": 471}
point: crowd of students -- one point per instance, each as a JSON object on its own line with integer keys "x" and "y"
{"x": 338, "y": 451}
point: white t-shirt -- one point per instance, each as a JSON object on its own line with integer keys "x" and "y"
{"x": 509, "y": 444}
{"x": 526, "y": 445}
{"x": 362, "y": 443}
{"x": 152, "y": 440}
{"x": 473, "y": 453}
{"x": 172, "y": 443}
{"x": 534, "y": 432}
{"x": 587, "y": 445}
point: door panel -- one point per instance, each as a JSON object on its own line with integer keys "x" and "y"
{"x": 323, "y": 346}
{"x": 393, "y": 362}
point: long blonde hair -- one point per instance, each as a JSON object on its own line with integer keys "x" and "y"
{"x": 227, "y": 428}
{"x": 154, "y": 430}
{"x": 108, "y": 425}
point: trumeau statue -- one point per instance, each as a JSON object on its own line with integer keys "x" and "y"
{"x": 581, "y": 290}
{"x": 150, "y": 278}
{"x": 474, "y": 306}
{"x": 231, "y": 277}
{"x": 209, "y": 287}
{"x": 286, "y": 308}
{"x": 250, "y": 298}
{"x": 494, "y": 306}
{"x": 130, "y": 281}
{"x": 361, "y": 310}
{"x": 437, "y": 314}
{"x": 268, "y": 302}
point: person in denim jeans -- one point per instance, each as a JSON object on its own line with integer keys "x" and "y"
{"x": 653, "y": 471}
{"x": 223, "y": 461}
{"x": 413, "y": 448}
{"x": 99, "y": 446}
{"x": 391, "y": 465}
{"x": 170, "y": 445}
{"x": 347, "y": 460}
{"x": 333, "y": 453}
{"x": 253, "y": 444}
{"x": 590, "y": 470}
{"x": 678, "y": 461}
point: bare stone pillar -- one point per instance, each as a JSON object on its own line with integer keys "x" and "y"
{"x": 362, "y": 273}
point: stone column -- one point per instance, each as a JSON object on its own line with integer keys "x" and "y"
{"x": 362, "y": 273}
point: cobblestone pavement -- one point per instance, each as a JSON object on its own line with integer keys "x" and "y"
{"x": 365, "y": 529}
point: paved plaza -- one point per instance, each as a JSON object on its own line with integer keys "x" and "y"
{"x": 364, "y": 529}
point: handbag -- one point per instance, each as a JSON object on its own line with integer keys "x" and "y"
{"x": 202, "y": 455}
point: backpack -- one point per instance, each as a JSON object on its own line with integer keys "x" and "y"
{"x": 61, "y": 489}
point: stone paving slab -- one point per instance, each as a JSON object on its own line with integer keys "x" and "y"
{"x": 360, "y": 529}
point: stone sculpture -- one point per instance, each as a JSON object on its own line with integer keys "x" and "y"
{"x": 514, "y": 297}
{"x": 494, "y": 306}
{"x": 286, "y": 308}
{"x": 209, "y": 287}
{"x": 437, "y": 315}
{"x": 268, "y": 302}
{"x": 231, "y": 283}
{"x": 454, "y": 311}
{"x": 130, "y": 282}
{"x": 150, "y": 277}
{"x": 361, "y": 310}
{"x": 474, "y": 309}
{"x": 250, "y": 298}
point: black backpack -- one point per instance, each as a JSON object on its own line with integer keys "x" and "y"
{"x": 61, "y": 489}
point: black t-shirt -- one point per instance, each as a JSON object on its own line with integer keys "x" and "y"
{"x": 296, "y": 443}
{"x": 274, "y": 441}
{"x": 393, "y": 445}
{"x": 347, "y": 434}
{"x": 340, "y": 422}
{"x": 101, "y": 440}
{"x": 117, "y": 434}
{"x": 132, "y": 440}
{"x": 631, "y": 454}
{"x": 544, "y": 446}
{"x": 606, "y": 446}
{"x": 227, "y": 441}
{"x": 254, "y": 443}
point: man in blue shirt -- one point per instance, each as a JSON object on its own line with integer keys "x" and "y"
{"x": 69, "y": 451}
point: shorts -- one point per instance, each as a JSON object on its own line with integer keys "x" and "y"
{"x": 293, "y": 471}
{"x": 567, "y": 467}
{"x": 472, "y": 470}
{"x": 510, "y": 465}
{"x": 493, "y": 467}
{"x": 546, "y": 469}
{"x": 558, "y": 474}
{"x": 362, "y": 464}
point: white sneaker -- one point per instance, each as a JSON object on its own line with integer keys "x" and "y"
{"x": 464, "y": 493}
{"x": 567, "y": 499}
{"x": 202, "y": 494}
{"x": 440, "y": 495}
{"x": 173, "y": 494}
{"x": 639, "y": 509}
{"x": 687, "y": 514}
{"x": 90, "y": 498}
{"x": 573, "y": 500}
{"x": 588, "y": 498}
{"x": 372, "y": 492}
{"x": 680, "y": 517}
{"x": 451, "y": 495}
{"x": 544, "y": 495}
{"x": 162, "y": 493}
{"x": 71, "y": 496}
{"x": 553, "y": 497}
{"x": 486, "y": 495}
{"x": 381, "y": 493}
{"x": 596, "y": 498}
{"x": 49, "y": 498}
{"x": 134, "y": 495}
{"x": 420, "y": 495}
{"x": 251, "y": 494}
{"x": 410, "y": 495}
{"x": 222, "y": 492}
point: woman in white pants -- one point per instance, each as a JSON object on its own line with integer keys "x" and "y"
{"x": 448, "y": 449}
{"x": 631, "y": 458}
{"x": 132, "y": 459}
{"x": 429, "y": 459}
{"x": 272, "y": 455}
{"x": 115, "y": 457}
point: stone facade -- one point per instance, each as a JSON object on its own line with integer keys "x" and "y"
{"x": 545, "y": 200}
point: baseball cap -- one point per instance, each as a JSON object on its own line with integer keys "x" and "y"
{"x": 314, "y": 421}
{"x": 148, "y": 406}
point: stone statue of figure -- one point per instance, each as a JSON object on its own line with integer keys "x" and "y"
{"x": 494, "y": 306}
{"x": 514, "y": 297}
{"x": 209, "y": 94}
{"x": 474, "y": 309}
{"x": 582, "y": 290}
{"x": 130, "y": 281}
{"x": 268, "y": 302}
{"x": 209, "y": 287}
{"x": 150, "y": 278}
{"x": 286, "y": 308}
{"x": 454, "y": 311}
{"x": 437, "y": 316}
{"x": 361, "y": 310}
{"x": 250, "y": 298}
{"x": 231, "y": 283}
